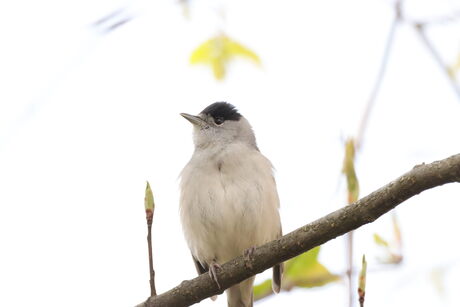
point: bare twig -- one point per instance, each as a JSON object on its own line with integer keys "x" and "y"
{"x": 420, "y": 30}
{"x": 153, "y": 291}
{"x": 149, "y": 209}
{"x": 113, "y": 20}
{"x": 364, "y": 211}
{"x": 106, "y": 18}
{"x": 363, "y": 125}
{"x": 443, "y": 19}
{"x": 378, "y": 81}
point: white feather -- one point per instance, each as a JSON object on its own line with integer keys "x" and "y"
{"x": 228, "y": 202}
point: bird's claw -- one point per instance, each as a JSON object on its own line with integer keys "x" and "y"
{"x": 213, "y": 267}
{"x": 248, "y": 256}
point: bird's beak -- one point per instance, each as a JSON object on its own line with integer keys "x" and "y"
{"x": 196, "y": 120}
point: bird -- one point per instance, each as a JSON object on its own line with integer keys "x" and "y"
{"x": 229, "y": 202}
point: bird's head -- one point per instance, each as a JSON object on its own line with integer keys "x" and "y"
{"x": 220, "y": 124}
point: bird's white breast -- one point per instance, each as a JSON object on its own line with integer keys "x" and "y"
{"x": 228, "y": 202}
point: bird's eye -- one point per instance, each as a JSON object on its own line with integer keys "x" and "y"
{"x": 219, "y": 120}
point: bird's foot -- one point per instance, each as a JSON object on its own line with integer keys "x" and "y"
{"x": 248, "y": 256}
{"x": 213, "y": 267}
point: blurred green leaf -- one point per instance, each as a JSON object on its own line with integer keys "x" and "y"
{"x": 306, "y": 271}
{"x": 380, "y": 241}
{"x": 437, "y": 276}
{"x": 263, "y": 289}
{"x": 217, "y": 53}
{"x": 455, "y": 68}
{"x": 392, "y": 254}
{"x": 302, "y": 262}
{"x": 148, "y": 200}
{"x": 302, "y": 271}
{"x": 348, "y": 170}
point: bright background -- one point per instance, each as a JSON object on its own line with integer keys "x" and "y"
{"x": 86, "y": 118}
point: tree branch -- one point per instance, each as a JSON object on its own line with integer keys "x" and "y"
{"x": 381, "y": 73}
{"x": 366, "y": 210}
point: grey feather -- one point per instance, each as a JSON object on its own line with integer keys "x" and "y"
{"x": 199, "y": 267}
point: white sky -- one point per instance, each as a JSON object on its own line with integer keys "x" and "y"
{"x": 86, "y": 119}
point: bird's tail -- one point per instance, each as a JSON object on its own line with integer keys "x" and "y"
{"x": 240, "y": 295}
{"x": 277, "y": 275}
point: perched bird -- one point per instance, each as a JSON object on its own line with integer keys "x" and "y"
{"x": 229, "y": 202}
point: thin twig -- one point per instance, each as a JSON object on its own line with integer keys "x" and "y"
{"x": 420, "y": 30}
{"x": 443, "y": 19}
{"x": 153, "y": 291}
{"x": 113, "y": 20}
{"x": 378, "y": 81}
{"x": 109, "y": 16}
{"x": 362, "y": 128}
{"x": 149, "y": 210}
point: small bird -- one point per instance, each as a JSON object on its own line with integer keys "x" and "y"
{"x": 229, "y": 202}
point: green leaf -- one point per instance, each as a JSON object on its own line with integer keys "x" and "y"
{"x": 301, "y": 262}
{"x": 380, "y": 241}
{"x": 217, "y": 53}
{"x": 148, "y": 200}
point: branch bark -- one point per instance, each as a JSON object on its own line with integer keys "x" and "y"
{"x": 422, "y": 177}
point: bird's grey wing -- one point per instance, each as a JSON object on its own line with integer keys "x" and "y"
{"x": 199, "y": 267}
{"x": 202, "y": 269}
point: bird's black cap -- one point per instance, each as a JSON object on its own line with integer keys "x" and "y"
{"x": 223, "y": 110}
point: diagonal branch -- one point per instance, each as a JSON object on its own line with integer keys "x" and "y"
{"x": 420, "y": 30}
{"x": 381, "y": 73}
{"x": 366, "y": 210}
